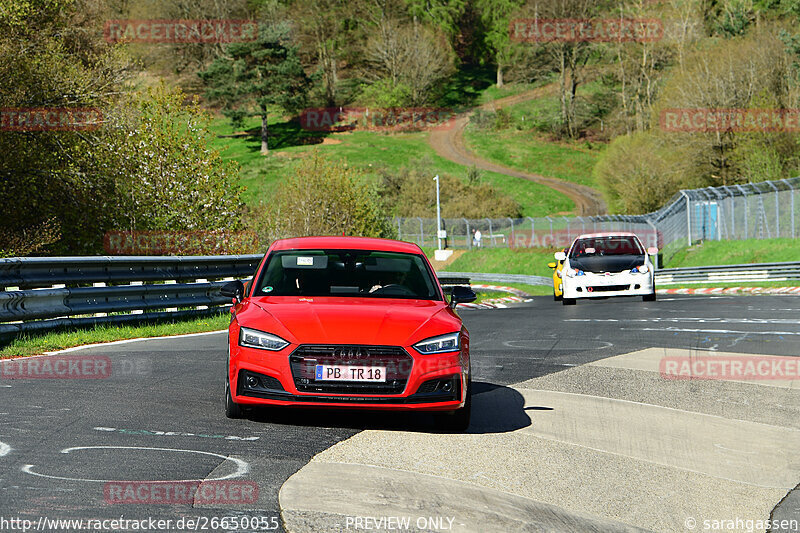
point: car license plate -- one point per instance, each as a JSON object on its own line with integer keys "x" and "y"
{"x": 350, "y": 373}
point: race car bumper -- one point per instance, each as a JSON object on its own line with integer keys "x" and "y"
{"x": 602, "y": 286}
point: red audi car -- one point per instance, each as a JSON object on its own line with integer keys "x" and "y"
{"x": 348, "y": 322}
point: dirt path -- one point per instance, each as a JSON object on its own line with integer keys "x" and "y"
{"x": 449, "y": 143}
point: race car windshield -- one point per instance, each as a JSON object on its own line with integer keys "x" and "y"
{"x": 603, "y": 246}
{"x": 353, "y": 273}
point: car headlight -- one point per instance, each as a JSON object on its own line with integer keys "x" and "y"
{"x": 572, "y": 272}
{"x": 642, "y": 269}
{"x": 252, "y": 338}
{"x": 441, "y": 344}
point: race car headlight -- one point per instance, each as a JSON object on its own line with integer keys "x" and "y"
{"x": 572, "y": 272}
{"x": 252, "y": 338}
{"x": 642, "y": 269}
{"x": 441, "y": 344}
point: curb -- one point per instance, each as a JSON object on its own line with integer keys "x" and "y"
{"x": 733, "y": 290}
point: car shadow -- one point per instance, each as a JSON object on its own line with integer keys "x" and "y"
{"x": 495, "y": 409}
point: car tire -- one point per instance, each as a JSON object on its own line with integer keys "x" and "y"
{"x": 232, "y": 409}
{"x": 557, "y": 298}
{"x": 458, "y": 421}
{"x": 649, "y": 297}
{"x": 568, "y": 301}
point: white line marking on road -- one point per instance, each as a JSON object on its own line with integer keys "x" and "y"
{"x": 702, "y": 320}
{"x": 5, "y": 449}
{"x": 126, "y": 341}
{"x": 242, "y": 467}
{"x": 720, "y": 331}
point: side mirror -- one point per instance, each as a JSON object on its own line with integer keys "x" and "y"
{"x": 233, "y": 289}
{"x": 652, "y": 251}
{"x": 551, "y": 265}
{"x": 462, "y": 295}
{"x": 560, "y": 256}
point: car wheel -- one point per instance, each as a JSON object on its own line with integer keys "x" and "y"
{"x": 232, "y": 409}
{"x": 649, "y": 297}
{"x": 458, "y": 421}
{"x": 568, "y": 301}
{"x": 557, "y": 298}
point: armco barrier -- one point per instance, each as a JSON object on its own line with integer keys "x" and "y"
{"x": 43, "y": 293}
{"x": 730, "y": 273}
{"x": 40, "y": 294}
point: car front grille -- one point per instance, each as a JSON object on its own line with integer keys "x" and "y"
{"x": 395, "y": 359}
{"x": 608, "y": 288}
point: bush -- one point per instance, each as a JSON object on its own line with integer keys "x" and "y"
{"x": 322, "y": 198}
{"x": 412, "y": 193}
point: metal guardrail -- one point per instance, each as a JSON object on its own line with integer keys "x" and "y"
{"x": 497, "y": 278}
{"x": 46, "y": 293}
{"x": 730, "y": 273}
{"x": 81, "y": 291}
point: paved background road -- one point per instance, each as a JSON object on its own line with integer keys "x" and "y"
{"x": 159, "y": 417}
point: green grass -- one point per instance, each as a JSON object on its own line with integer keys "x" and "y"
{"x": 529, "y": 261}
{"x": 36, "y": 344}
{"x": 367, "y": 151}
{"x": 737, "y": 252}
{"x": 789, "y": 283}
{"x": 522, "y": 148}
{"x": 529, "y": 152}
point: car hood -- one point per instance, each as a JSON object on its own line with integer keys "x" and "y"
{"x": 332, "y": 320}
{"x": 606, "y": 263}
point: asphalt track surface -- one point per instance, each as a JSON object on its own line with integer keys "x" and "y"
{"x": 159, "y": 415}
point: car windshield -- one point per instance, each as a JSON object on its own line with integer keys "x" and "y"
{"x": 601, "y": 246}
{"x": 354, "y": 273}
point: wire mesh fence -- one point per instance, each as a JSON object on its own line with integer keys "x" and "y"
{"x": 762, "y": 210}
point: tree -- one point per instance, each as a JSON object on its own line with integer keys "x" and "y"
{"x": 323, "y": 27}
{"x": 411, "y": 57}
{"x": 253, "y": 76}
{"x": 322, "y": 198}
{"x": 496, "y": 16}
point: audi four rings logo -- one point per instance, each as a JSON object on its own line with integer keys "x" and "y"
{"x": 349, "y": 352}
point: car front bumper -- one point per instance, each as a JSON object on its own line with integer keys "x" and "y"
{"x": 601, "y": 286}
{"x": 432, "y": 383}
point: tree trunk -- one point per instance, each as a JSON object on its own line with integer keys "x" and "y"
{"x": 264, "y": 134}
{"x": 499, "y": 76}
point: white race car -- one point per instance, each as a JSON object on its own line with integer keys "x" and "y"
{"x": 599, "y": 265}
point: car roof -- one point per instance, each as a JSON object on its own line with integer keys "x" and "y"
{"x": 346, "y": 243}
{"x": 606, "y": 234}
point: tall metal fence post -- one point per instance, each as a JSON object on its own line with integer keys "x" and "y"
{"x": 421, "y": 233}
{"x": 399, "y": 230}
{"x": 791, "y": 203}
{"x": 533, "y": 232}
{"x": 511, "y": 242}
{"x": 777, "y": 210}
{"x": 469, "y": 236}
{"x": 688, "y": 217}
